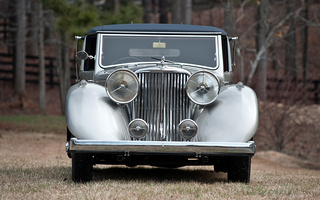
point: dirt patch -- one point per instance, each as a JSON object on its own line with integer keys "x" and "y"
{"x": 47, "y": 146}
{"x": 32, "y": 146}
{"x": 35, "y": 166}
{"x": 276, "y": 160}
{"x": 28, "y": 104}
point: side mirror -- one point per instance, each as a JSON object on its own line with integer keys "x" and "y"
{"x": 82, "y": 55}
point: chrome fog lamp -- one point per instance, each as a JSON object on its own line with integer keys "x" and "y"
{"x": 203, "y": 87}
{"x": 122, "y": 86}
{"x": 187, "y": 128}
{"x": 138, "y": 128}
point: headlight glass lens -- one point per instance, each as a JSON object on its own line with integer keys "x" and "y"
{"x": 203, "y": 87}
{"x": 122, "y": 86}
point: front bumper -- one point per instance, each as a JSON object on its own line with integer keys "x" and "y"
{"x": 159, "y": 147}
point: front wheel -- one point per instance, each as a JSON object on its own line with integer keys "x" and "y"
{"x": 239, "y": 169}
{"x": 81, "y": 167}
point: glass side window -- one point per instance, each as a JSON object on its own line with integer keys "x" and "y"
{"x": 91, "y": 43}
{"x": 186, "y": 49}
{"x": 225, "y": 53}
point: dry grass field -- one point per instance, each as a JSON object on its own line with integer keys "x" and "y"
{"x": 35, "y": 166}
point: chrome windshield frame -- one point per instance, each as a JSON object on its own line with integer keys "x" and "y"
{"x": 139, "y": 34}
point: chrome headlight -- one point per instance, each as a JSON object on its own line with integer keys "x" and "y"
{"x": 187, "y": 128}
{"x": 122, "y": 86}
{"x": 203, "y": 87}
{"x": 138, "y": 128}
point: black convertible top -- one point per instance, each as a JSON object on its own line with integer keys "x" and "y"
{"x": 156, "y": 28}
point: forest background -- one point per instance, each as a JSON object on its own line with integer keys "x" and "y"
{"x": 276, "y": 54}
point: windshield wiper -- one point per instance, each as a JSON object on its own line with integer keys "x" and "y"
{"x": 129, "y": 65}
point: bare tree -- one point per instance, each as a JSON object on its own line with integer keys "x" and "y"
{"x": 147, "y": 11}
{"x": 62, "y": 54}
{"x": 176, "y": 12}
{"x": 228, "y": 17}
{"x": 20, "y": 50}
{"x": 42, "y": 70}
{"x": 182, "y": 11}
{"x": 163, "y": 18}
{"x": 32, "y": 30}
{"x": 290, "y": 40}
{"x": 155, "y": 11}
{"x": 187, "y": 10}
{"x": 266, "y": 36}
{"x": 116, "y": 6}
{"x": 283, "y": 122}
{"x": 304, "y": 38}
{"x": 262, "y": 30}
{"x": 240, "y": 43}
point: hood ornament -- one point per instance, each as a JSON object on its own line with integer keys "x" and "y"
{"x": 163, "y": 60}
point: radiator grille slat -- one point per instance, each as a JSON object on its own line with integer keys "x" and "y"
{"x": 162, "y": 102}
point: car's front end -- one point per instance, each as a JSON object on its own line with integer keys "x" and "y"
{"x": 159, "y": 95}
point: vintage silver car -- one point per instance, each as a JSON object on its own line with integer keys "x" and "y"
{"x": 159, "y": 95}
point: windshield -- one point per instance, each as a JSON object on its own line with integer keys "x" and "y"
{"x": 119, "y": 49}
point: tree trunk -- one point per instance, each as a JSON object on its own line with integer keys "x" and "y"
{"x": 116, "y": 6}
{"x": 42, "y": 70}
{"x": 304, "y": 38}
{"x": 291, "y": 42}
{"x": 60, "y": 72}
{"x": 63, "y": 68}
{"x": 147, "y": 11}
{"x": 187, "y": 7}
{"x": 240, "y": 66}
{"x": 176, "y": 12}
{"x": 163, "y": 18}
{"x": 155, "y": 11}
{"x": 33, "y": 29}
{"x": 20, "y": 50}
{"x": 228, "y": 17}
{"x": 62, "y": 54}
{"x": 261, "y": 40}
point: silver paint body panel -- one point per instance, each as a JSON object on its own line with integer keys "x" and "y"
{"x": 100, "y": 125}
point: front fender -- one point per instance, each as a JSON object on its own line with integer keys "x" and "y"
{"x": 90, "y": 114}
{"x": 233, "y": 117}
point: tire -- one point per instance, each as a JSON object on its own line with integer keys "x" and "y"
{"x": 81, "y": 167}
{"x": 221, "y": 165}
{"x": 239, "y": 169}
{"x": 220, "y": 168}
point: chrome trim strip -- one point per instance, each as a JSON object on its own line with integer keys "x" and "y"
{"x": 135, "y": 65}
{"x": 157, "y": 33}
{"x": 160, "y": 34}
{"x": 164, "y": 68}
{"x": 96, "y": 146}
{"x": 162, "y": 103}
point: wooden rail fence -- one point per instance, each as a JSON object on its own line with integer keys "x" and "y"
{"x": 32, "y": 69}
{"x": 278, "y": 89}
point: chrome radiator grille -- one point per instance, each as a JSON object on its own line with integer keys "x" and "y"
{"x": 163, "y": 103}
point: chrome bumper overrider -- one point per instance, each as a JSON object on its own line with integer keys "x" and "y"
{"x": 149, "y": 147}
